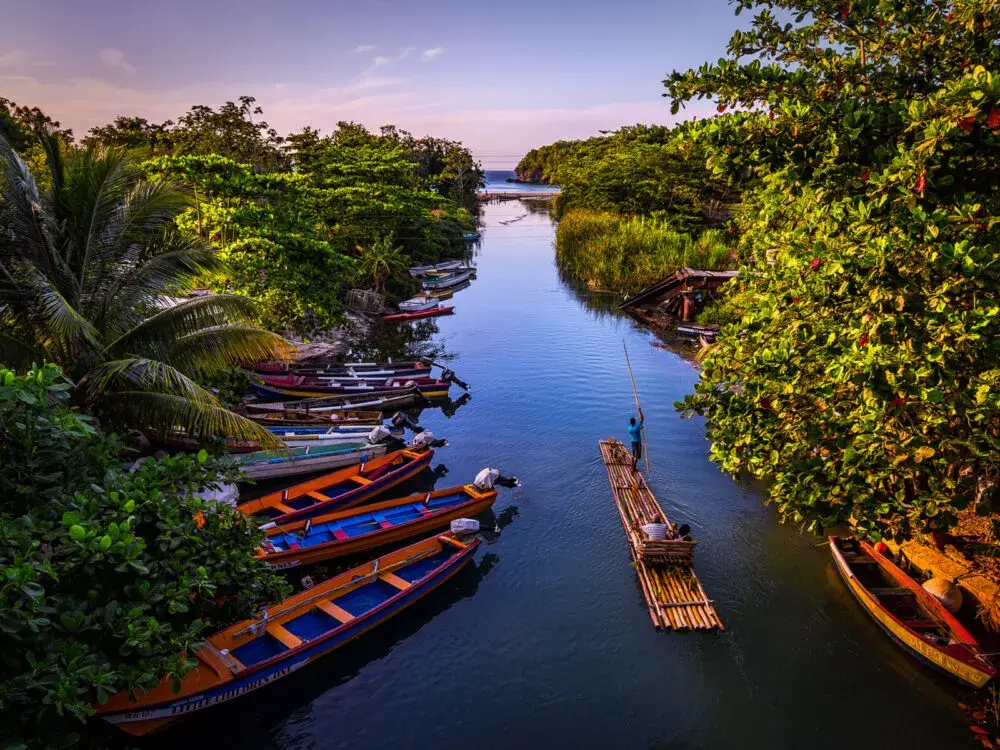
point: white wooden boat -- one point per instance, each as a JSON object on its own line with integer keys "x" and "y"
{"x": 306, "y": 459}
{"x": 418, "y": 304}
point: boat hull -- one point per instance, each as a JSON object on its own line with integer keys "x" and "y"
{"x": 353, "y": 369}
{"x": 419, "y": 315}
{"x": 144, "y": 717}
{"x": 447, "y": 282}
{"x": 401, "y": 399}
{"x": 955, "y": 659}
{"x": 474, "y": 502}
{"x": 279, "y": 507}
{"x": 286, "y": 466}
{"x": 432, "y": 389}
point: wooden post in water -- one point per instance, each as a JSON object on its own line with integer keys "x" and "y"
{"x": 635, "y": 392}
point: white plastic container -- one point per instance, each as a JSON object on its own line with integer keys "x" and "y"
{"x": 464, "y": 526}
{"x": 656, "y": 532}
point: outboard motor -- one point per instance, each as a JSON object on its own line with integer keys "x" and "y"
{"x": 426, "y": 439}
{"x": 400, "y": 422}
{"x": 487, "y": 479}
{"x": 380, "y": 434}
{"x": 449, "y": 376}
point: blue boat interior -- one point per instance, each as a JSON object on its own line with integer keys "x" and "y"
{"x": 359, "y": 602}
{"x": 363, "y": 522}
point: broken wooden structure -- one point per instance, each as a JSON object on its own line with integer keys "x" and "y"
{"x": 673, "y": 593}
{"x": 679, "y": 295}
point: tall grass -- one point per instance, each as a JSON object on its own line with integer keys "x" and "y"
{"x": 625, "y": 254}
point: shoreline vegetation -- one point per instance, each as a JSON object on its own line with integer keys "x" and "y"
{"x": 114, "y": 571}
{"x": 636, "y": 205}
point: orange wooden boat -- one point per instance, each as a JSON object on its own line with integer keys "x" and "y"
{"x": 370, "y": 526}
{"x": 339, "y": 489}
{"x": 292, "y": 633}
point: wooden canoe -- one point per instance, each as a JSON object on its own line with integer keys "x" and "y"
{"x": 318, "y": 419}
{"x": 432, "y": 313}
{"x": 402, "y": 399}
{"x": 912, "y": 617}
{"x": 302, "y": 387}
{"x": 306, "y": 459}
{"x": 448, "y": 265}
{"x": 351, "y": 369}
{"x": 370, "y": 526}
{"x": 294, "y": 632}
{"x": 339, "y": 489}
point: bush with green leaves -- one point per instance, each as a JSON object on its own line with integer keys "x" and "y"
{"x": 624, "y": 254}
{"x": 109, "y": 578}
{"x": 861, "y": 374}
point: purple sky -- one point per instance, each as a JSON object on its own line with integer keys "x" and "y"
{"x": 502, "y": 77}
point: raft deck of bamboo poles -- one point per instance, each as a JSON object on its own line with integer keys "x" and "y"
{"x": 673, "y": 593}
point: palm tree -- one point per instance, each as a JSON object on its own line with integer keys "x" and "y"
{"x": 379, "y": 261}
{"x": 90, "y": 271}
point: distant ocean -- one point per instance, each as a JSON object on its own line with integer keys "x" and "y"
{"x": 496, "y": 182}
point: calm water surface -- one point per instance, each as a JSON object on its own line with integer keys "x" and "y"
{"x": 545, "y": 642}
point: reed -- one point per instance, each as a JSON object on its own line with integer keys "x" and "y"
{"x": 624, "y": 254}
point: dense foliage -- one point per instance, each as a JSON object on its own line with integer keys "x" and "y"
{"x": 110, "y": 577}
{"x": 298, "y": 219}
{"x": 624, "y": 254}
{"x": 862, "y": 375}
{"x": 87, "y": 268}
{"x": 635, "y": 205}
{"x": 644, "y": 170}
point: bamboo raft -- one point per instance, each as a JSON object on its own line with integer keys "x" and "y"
{"x": 673, "y": 593}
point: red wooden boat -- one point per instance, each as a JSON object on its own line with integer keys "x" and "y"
{"x": 433, "y": 312}
{"x": 911, "y": 616}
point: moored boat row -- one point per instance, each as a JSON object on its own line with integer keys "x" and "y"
{"x": 347, "y": 511}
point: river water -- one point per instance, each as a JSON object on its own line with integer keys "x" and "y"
{"x": 545, "y": 641}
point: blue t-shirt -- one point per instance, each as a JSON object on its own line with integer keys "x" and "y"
{"x": 635, "y": 432}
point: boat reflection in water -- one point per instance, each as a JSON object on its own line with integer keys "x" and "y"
{"x": 267, "y": 711}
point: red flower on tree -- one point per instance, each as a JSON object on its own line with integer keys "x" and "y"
{"x": 721, "y": 108}
{"x": 968, "y": 124}
{"x": 863, "y": 341}
{"x": 815, "y": 263}
{"x": 866, "y": 175}
{"x": 845, "y": 11}
{"x": 921, "y": 183}
{"x": 993, "y": 119}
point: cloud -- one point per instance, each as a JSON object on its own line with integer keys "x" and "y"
{"x": 381, "y": 60}
{"x": 430, "y": 54}
{"x": 364, "y": 48}
{"x": 115, "y": 58}
{"x": 9, "y": 59}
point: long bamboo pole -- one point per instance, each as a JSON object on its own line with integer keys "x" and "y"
{"x": 635, "y": 392}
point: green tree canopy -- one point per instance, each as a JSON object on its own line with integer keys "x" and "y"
{"x": 861, "y": 376}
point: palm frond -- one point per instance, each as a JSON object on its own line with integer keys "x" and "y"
{"x": 91, "y": 204}
{"x": 24, "y": 218}
{"x": 212, "y": 349}
{"x": 172, "y": 262}
{"x": 165, "y": 412}
{"x": 140, "y": 373}
{"x": 160, "y": 331}
{"x": 62, "y": 328}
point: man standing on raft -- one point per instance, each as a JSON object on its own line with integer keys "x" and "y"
{"x": 635, "y": 435}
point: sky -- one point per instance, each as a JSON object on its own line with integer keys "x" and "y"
{"x": 500, "y": 76}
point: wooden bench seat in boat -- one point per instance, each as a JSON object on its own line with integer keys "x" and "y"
{"x": 394, "y": 580}
{"x": 342, "y": 615}
{"x": 289, "y": 640}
